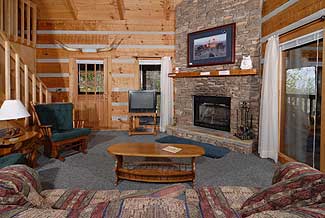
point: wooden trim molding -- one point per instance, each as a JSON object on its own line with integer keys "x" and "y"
{"x": 233, "y": 72}
{"x": 284, "y": 158}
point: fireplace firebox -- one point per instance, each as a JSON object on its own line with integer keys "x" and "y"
{"x": 212, "y": 112}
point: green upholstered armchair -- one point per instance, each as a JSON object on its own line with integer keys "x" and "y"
{"x": 60, "y": 132}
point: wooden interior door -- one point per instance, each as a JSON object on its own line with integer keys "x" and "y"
{"x": 92, "y": 93}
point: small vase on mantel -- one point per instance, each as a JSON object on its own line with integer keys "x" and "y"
{"x": 246, "y": 63}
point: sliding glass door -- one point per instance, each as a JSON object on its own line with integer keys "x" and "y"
{"x": 301, "y": 103}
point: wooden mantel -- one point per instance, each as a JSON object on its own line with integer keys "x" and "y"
{"x": 233, "y": 72}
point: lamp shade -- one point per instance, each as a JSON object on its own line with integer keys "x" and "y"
{"x": 12, "y": 110}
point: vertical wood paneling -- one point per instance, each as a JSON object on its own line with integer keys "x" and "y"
{"x": 17, "y": 75}
{"x": 7, "y": 69}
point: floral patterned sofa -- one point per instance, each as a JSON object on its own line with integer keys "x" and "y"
{"x": 297, "y": 191}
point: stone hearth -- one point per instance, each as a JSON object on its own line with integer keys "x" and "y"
{"x": 219, "y": 138}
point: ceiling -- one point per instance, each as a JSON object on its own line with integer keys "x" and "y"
{"x": 106, "y": 9}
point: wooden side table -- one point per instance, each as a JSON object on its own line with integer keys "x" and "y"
{"x": 137, "y": 129}
{"x": 26, "y": 144}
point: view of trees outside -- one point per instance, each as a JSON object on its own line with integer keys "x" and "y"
{"x": 301, "y": 81}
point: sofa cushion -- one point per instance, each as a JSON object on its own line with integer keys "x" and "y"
{"x": 213, "y": 203}
{"x": 10, "y": 211}
{"x": 303, "y": 190}
{"x": 152, "y": 207}
{"x": 59, "y": 115}
{"x": 76, "y": 198}
{"x": 290, "y": 170}
{"x": 19, "y": 185}
{"x": 171, "y": 191}
{"x": 11, "y": 159}
{"x": 69, "y": 134}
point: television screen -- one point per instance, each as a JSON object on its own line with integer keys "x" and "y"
{"x": 142, "y": 101}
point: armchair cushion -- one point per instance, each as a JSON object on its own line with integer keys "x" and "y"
{"x": 69, "y": 134}
{"x": 58, "y": 115}
{"x": 11, "y": 159}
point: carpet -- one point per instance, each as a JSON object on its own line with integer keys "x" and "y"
{"x": 95, "y": 170}
{"x": 212, "y": 151}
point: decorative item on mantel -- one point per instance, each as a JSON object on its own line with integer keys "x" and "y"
{"x": 246, "y": 63}
{"x": 244, "y": 122}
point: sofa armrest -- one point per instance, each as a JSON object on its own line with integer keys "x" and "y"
{"x": 79, "y": 124}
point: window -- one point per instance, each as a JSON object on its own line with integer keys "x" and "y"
{"x": 90, "y": 77}
{"x": 302, "y": 103}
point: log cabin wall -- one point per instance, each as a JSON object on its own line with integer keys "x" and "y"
{"x": 291, "y": 19}
{"x": 143, "y": 38}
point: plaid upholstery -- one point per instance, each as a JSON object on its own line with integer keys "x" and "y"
{"x": 77, "y": 199}
{"x": 304, "y": 190}
{"x": 290, "y": 170}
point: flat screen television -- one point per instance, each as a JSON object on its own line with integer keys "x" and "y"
{"x": 142, "y": 101}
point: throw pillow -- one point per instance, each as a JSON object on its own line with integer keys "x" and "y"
{"x": 300, "y": 191}
{"x": 290, "y": 170}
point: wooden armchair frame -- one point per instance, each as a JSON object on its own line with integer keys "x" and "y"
{"x": 51, "y": 148}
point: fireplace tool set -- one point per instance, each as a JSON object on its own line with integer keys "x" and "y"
{"x": 244, "y": 122}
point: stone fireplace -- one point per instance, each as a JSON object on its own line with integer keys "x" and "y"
{"x": 212, "y": 112}
{"x": 199, "y": 15}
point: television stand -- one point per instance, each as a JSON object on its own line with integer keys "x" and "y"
{"x": 135, "y": 128}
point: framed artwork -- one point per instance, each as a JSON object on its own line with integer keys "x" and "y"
{"x": 212, "y": 46}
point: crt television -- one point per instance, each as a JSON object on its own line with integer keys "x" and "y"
{"x": 142, "y": 101}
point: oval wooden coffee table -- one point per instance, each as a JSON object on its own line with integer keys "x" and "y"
{"x": 158, "y": 165}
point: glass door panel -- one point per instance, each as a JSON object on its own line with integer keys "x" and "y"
{"x": 302, "y": 103}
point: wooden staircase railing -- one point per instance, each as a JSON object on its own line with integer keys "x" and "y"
{"x": 18, "y": 19}
{"x": 19, "y": 82}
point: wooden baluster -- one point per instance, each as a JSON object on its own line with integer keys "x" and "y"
{"x": 40, "y": 92}
{"x": 26, "y": 92}
{"x": 16, "y": 5}
{"x": 47, "y": 96}
{"x": 34, "y": 88}
{"x": 7, "y": 70}
{"x": 28, "y": 22}
{"x": 8, "y": 18}
{"x": 22, "y": 21}
{"x": 1, "y": 15}
{"x": 17, "y": 70}
{"x": 34, "y": 24}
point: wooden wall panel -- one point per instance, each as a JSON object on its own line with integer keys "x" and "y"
{"x": 157, "y": 39}
{"x": 292, "y": 14}
{"x": 56, "y": 82}
{"x": 121, "y": 25}
{"x": 52, "y": 67}
{"x": 269, "y": 6}
{"x": 153, "y": 40}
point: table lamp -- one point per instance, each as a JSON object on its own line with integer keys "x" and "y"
{"x": 13, "y": 110}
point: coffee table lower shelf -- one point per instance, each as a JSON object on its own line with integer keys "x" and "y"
{"x": 155, "y": 171}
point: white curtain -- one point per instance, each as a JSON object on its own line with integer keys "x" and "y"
{"x": 268, "y": 146}
{"x": 166, "y": 104}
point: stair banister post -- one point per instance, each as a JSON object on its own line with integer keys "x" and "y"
{"x": 7, "y": 70}
{"x": 17, "y": 73}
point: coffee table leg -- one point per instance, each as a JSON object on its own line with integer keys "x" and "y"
{"x": 118, "y": 166}
{"x": 193, "y": 171}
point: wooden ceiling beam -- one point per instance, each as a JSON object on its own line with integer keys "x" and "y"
{"x": 72, "y": 6}
{"x": 121, "y": 9}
